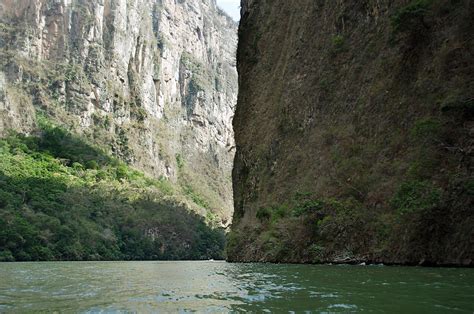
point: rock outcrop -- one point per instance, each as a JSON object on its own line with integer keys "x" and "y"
{"x": 152, "y": 80}
{"x": 354, "y": 132}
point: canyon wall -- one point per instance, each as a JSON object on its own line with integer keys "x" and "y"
{"x": 152, "y": 81}
{"x": 354, "y": 132}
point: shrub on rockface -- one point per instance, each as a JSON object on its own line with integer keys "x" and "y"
{"x": 416, "y": 196}
{"x": 411, "y": 16}
{"x": 263, "y": 214}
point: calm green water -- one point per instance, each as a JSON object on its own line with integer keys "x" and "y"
{"x": 221, "y": 287}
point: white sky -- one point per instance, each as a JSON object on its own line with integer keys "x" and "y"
{"x": 232, "y": 7}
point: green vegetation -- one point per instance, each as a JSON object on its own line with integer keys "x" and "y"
{"x": 427, "y": 129}
{"x": 312, "y": 229}
{"x": 326, "y": 220}
{"x": 304, "y": 204}
{"x": 338, "y": 43}
{"x": 200, "y": 79}
{"x": 189, "y": 190}
{"x": 264, "y": 214}
{"x": 198, "y": 199}
{"x": 411, "y": 16}
{"x": 63, "y": 199}
{"x": 416, "y": 196}
{"x": 272, "y": 214}
{"x": 179, "y": 161}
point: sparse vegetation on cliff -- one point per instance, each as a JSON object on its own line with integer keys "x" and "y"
{"x": 411, "y": 16}
{"x": 366, "y": 107}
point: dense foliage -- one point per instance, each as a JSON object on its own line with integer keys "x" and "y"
{"x": 63, "y": 199}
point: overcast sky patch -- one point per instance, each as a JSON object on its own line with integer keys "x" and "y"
{"x": 231, "y": 7}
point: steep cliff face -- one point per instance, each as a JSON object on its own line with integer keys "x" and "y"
{"x": 152, "y": 80}
{"x": 354, "y": 130}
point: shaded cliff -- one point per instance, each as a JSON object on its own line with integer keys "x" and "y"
{"x": 354, "y": 132}
{"x": 151, "y": 81}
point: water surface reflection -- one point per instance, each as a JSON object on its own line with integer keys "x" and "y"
{"x": 221, "y": 287}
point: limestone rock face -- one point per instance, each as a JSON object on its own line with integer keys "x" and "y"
{"x": 152, "y": 80}
{"x": 354, "y": 128}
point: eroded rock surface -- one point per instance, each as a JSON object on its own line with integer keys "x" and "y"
{"x": 152, "y": 80}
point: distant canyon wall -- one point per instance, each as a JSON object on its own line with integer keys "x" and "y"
{"x": 154, "y": 81}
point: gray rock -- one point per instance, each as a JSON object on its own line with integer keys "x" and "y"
{"x": 152, "y": 80}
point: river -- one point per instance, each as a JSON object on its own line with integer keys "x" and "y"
{"x": 216, "y": 287}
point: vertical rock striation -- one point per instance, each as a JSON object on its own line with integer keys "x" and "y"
{"x": 152, "y": 80}
{"x": 354, "y": 130}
